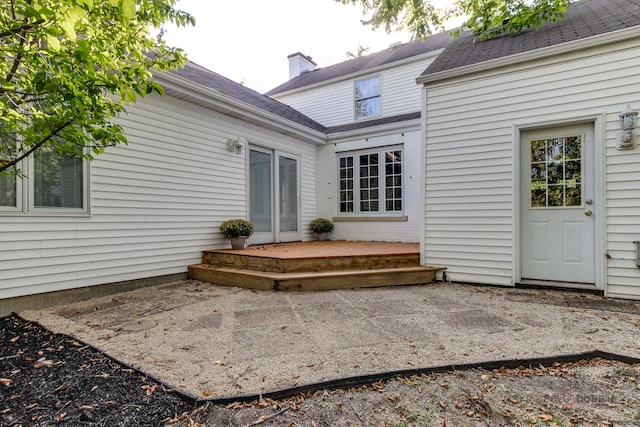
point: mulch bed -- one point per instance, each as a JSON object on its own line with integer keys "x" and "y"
{"x": 52, "y": 379}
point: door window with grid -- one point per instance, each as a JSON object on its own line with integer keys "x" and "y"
{"x": 371, "y": 182}
{"x": 556, "y": 172}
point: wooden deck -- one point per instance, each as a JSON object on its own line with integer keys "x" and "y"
{"x": 310, "y": 266}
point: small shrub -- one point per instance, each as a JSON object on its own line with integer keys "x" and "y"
{"x": 236, "y": 228}
{"x": 321, "y": 225}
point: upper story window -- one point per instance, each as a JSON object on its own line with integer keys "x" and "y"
{"x": 367, "y": 97}
{"x": 49, "y": 182}
{"x": 370, "y": 182}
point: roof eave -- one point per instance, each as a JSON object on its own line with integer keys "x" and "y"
{"x": 561, "y": 48}
{"x": 368, "y": 131}
{"x": 239, "y": 108}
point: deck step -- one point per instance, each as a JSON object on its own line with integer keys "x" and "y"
{"x": 313, "y": 280}
{"x": 239, "y": 259}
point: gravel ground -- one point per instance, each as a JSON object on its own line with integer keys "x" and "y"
{"x": 53, "y": 379}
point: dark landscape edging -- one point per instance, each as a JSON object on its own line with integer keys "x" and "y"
{"x": 362, "y": 380}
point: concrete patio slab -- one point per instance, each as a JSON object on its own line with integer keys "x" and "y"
{"x": 214, "y": 341}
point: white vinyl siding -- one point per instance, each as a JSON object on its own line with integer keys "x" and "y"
{"x": 156, "y": 202}
{"x": 469, "y": 169}
{"x": 332, "y": 103}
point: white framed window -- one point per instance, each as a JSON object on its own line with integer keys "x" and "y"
{"x": 371, "y": 182}
{"x": 10, "y": 188}
{"x": 48, "y": 183}
{"x": 57, "y": 182}
{"x": 367, "y": 97}
{"x": 10, "y": 194}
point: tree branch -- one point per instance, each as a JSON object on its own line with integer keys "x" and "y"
{"x": 18, "y": 30}
{"x": 6, "y": 165}
{"x": 16, "y": 64}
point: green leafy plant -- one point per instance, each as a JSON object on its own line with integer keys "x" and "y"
{"x": 487, "y": 19}
{"x": 236, "y": 228}
{"x": 70, "y": 67}
{"x": 321, "y": 225}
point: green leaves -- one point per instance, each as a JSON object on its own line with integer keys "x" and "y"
{"x": 128, "y": 8}
{"x": 486, "y": 18}
{"x": 72, "y": 66}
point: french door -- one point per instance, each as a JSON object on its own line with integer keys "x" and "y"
{"x": 274, "y": 196}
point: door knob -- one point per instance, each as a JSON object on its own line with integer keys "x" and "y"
{"x": 588, "y": 212}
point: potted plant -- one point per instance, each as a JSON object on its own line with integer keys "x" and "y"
{"x": 237, "y": 231}
{"x": 322, "y": 227}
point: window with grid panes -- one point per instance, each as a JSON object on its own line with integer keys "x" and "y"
{"x": 371, "y": 182}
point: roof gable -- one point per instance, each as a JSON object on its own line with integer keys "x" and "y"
{"x": 583, "y": 19}
{"x": 363, "y": 63}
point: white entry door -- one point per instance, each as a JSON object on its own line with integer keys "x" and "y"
{"x": 274, "y": 194}
{"x": 557, "y": 205}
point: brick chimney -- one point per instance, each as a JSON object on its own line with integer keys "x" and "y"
{"x": 300, "y": 64}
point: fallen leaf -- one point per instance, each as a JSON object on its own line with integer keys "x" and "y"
{"x": 60, "y": 416}
{"x": 42, "y": 363}
{"x": 394, "y": 398}
{"x": 412, "y": 344}
{"x": 149, "y": 389}
{"x": 547, "y": 418}
{"x": 86, "y": 407}
{"x": 14, "y": 339}
{"x": 485, "y": 377}
{"x": 31, "y": 406}
{"x": 5, "y": 382}
{"x": 103, "y": 375}
{"x": 206, "y": 394}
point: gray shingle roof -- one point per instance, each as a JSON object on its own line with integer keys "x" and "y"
{"x": 374, "y": 122}
{"x": 197, "y": 74}
{"x": 583, "y": 19}
{"x": 362, "y": 63}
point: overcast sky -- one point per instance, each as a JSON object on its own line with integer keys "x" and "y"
{"x": 249, "y": 40}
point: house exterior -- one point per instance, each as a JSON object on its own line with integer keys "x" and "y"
{"x": 368, "y": 178}
{"x": 149, "y": 209}
{"x": 500, "y": 157}
{"x": 524, "y": 180}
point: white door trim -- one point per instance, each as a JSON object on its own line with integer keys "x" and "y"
{"x": 279, "y": 235}
{"x": 598, "y": 122}
{"x": 275, "y": 235}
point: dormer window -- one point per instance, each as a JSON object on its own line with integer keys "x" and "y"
{"x": 367, "y": 97}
